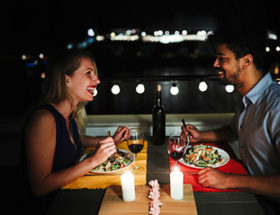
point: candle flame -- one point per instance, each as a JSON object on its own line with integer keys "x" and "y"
{"x": 176, "y": 169}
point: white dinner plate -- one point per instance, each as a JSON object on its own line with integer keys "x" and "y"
{"x": 129, "y": 154}
{"x": 224, "y": 156}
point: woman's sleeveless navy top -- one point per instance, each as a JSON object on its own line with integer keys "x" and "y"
{"x": 66, "y": 154}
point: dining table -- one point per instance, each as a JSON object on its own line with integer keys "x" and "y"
{"x": 83, "y": 199}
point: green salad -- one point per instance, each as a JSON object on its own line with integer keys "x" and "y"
{"x": 202, "y": 156}
{"x": 117, "y": 161}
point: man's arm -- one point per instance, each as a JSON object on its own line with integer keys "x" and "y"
{"x": 265, "y": 185}
{"x": 223, "y": 134}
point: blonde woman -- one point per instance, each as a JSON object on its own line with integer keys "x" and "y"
{"x": 53, "y": 139}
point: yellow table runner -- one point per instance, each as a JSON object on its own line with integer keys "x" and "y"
{"x": 95, "y": 181}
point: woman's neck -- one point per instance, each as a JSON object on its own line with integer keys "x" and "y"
{"x": 65, "y": 108}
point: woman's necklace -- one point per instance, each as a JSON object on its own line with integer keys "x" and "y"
{"x": 72, "y": 140}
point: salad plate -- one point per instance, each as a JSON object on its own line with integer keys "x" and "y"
{"x": 201, "y": 156}
{"x": 121, "y": 160}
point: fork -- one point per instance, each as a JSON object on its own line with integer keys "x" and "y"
{"x": 188, "y": 137}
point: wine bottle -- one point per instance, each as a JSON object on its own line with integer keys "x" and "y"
{"x": 159, "y": 115}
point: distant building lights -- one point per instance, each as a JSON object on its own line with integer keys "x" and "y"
{"x": 113, "y": 34}
{"x": 201, "y": 33}
{"x": 122, "y": 37}
{"x": 128, "y": 32}
{"x": 272, "y": 36}
{"x": 166, "y": 32}
{"x": 43, "y": 75}
{"x": 69, "y": 46}
{"x": 100, "y": 38}
{"x": 143, "y": 33}
{"x": 91, "y": 32}
{"x": 277, "y": 48}
{"x": 30, "y": 65}
{"x": 171, "y": 39}
{"x": 41, "y": 56}
{"x": 90, "y": 40}
{"x": 23, "y": 57}
{"x": 267, "y": 49}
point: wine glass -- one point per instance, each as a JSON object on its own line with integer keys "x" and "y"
{"x": 135, "y": 143}
{"x": 176, "y": 146}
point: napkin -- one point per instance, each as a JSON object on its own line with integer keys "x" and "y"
{"x": 102, "y": 181}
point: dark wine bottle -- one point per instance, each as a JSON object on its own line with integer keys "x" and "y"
{"x": 159, "y": 115}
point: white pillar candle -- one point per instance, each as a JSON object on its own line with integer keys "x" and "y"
{"x": 128, "y": 188}
{"x": 176, "y": 184}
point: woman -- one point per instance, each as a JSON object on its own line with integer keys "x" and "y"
{"x": 52, "y": 136}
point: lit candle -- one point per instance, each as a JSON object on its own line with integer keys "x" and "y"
{"x": 128, "y": 188}
{"x": 176, "y": 184}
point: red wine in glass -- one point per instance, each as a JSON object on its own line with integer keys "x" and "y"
{"x": 135, "y": 148}
{"x": 176, "y": 155}
{"x": 176, "y": 147}
{"x": 135, "y": 144}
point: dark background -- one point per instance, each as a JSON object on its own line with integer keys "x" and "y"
{"x": 31, "y": 28}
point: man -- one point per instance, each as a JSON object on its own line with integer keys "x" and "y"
{"x": 256, "y": 123}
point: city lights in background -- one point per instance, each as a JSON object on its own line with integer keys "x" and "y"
{"x": 131, "y": 35}
{"x": 91, "y": 32}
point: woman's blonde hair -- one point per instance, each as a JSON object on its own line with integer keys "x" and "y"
{"x": 55, "y": 89}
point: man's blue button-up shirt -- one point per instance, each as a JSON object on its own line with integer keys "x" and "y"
{"x": 258, "y": 128}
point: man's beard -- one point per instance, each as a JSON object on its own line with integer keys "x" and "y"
{"x": 224, "y": 81}
{"x": 232, "y": 80}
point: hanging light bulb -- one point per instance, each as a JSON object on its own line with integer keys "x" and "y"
{"x": 115, "y": 89}
{"x": 140, "y": 88}
{"x": 202, "y": 86}
{"x": 95, "y": 92}
{"x": 229, "y": 88}
{"x": 174, "y": 90}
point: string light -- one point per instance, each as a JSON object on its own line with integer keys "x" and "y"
{"x": 115, "y": 89}
{"x": 202, "y": 86}
{"x": 140, "y": 88}
{"x": 229, "y": 88}
{"x": 95, "y": 92}
{"x": 174, "y": 90}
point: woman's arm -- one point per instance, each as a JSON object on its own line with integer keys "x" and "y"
{"x": 120, "y": 135}
{"x": 40, "y": 141}
{"x": 88, "y": 141}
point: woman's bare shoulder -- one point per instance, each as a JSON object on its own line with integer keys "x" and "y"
{"x": 41, "y": 117}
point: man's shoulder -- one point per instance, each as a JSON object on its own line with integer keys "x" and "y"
{"x": 274, "y": 92}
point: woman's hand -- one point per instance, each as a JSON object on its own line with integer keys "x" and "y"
{"x": 104, "y": 150}
{"x": 210, "y": 177}
{"x": 193, "y": 133}
{"x": 121, "y": 134}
